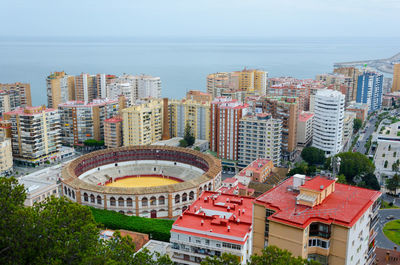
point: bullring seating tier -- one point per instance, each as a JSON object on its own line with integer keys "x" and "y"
{"x": 103, "y": 175}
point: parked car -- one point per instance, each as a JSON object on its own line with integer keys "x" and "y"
{"x": 390, "y": 217}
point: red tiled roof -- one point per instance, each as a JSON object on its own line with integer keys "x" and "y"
{"x": 255, "y": 166}
{"x": 344, "y": 206}
{"x": 113, "y": 120}
{"x": 210, "y": 218}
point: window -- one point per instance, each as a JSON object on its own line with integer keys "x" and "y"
{"x": 153, "y": 201}
{"x": 316, "y": 242}
{"x": 144, "y": 201}
{"x": 177, "y": 198}
{"x": 268, "y": 213}
{"x": 91, "y": 198}
{"x": 129, "y": 202}
{"x": 98, "y": 199}
{"x": 85, "y": 197}
{"x": 161, "y": 200}
{"x": 112, "y": 201}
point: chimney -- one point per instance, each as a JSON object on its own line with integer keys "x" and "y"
{"x": 395, "y": 248}
{"x": 239, "y": 212}
{"x": 202, "y": 222}
{"x": 229, "y": 228}
{"x": 387, "y": 255}
{"x": 228, "y": 209}
{"x": 165, "y": 122}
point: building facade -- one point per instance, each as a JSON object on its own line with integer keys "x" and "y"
{"x": 19, "y": 93}
{"x": 285, "y": 109}
{"x": 318, "y": 219}
{"x": 369, "y": 90}
{"x": 198, "y": 96}
{"x": 6, "y": 159}
{"x": 143, "y": 122}
{"x": 328, "y": 121}
{"x": 35, "y": 134}
{"x": 194, "y": 113}
{"x": 305, "y": 128}
{"x": 224, "y": 136}
{"x": 84, "y": 121}
{"x": 396, "y": 78}
{"x": 214, "y": 224}
{"x": 113, "y": 132}
{"x": 259, "y": 137}
{"x": 217, "y": 83}
{"x": 4, "y": 102}
{"x": 348, "y": 124}
{"x": 60, "y": 89}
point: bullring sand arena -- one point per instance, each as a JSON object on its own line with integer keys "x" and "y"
{"x": 146, "y": 181}
{"x": 142, "y": 181}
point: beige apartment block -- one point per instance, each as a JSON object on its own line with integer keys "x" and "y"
{"x": 43, "y": 142}
{"x": 60, "y": 88}
{"x": 194, "y": 113}
{"x": 142, "y": 122}
{"x": 396, "y": 78}
{"x": 318, "y": 219}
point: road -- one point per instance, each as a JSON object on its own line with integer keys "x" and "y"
{"x": 381, "y": 240}
{"x": 369, "y": 129}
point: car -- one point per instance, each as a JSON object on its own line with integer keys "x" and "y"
{"x": 389, "y": 217}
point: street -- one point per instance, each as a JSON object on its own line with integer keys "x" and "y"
{"x": 369, "y": 129}
{"x": 381, "y": 240}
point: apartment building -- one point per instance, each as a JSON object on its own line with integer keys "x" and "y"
{"x": 328, "y": 121}
{"x": 19, "y": 93}
{"x": 85, "y": 87}
{"x": 214, "y": 224}
{"x": 250, "y": 81}
{"x": 318, "y": 219}
{"x": 258, "y": 170}
{"x": 122, "y": 87}
{"x": 82, "y": 121}
{"x": 260, "y": 136}
{"x": 285, "y": 109}
{"x": 370, "y": 90}
{"x": 60, "y": 88}
{"x": 348, "y": 124}
{"x": 200, "y": 96}
{"x": 4, "y": 102}
{"x": 396, "y": 78}
{"x": 353, "y": 74}
{"x": 194, "y": 113}
{"x": 225, "y": 116}
{"x": 339, "y": 82}
{"x": 305, "y": 128}
{"x": 113, "y": 132}
{"x": 361, "y": 110}
{"x": 35, "y": 134}
{"x": 217, "y": 83}
{"x": 148, "y": 86}
{"x": 6, "y": 159}
{"x": 142, "y": 123}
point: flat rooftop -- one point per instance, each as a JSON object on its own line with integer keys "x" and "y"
{"x": 344, "y": 206}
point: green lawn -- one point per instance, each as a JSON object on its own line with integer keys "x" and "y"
{"x": 159, "y": 229}
{"x": 385, "y": 205}
{"x": 392, "y": 231}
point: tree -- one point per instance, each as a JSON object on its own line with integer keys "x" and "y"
{"x": 370, "y": 181}
{"x": 183, "y": 143}
{"x": 188, "y": 135}
{"x": 58, "y": 231}
{"x": 313, "y": 155}
{"x": 273, "y": 255}
{"x": 224, "y": 259}
{"x": 341, "y": 179}
{"x": 395, "y": 166}
{"x": 354, "y": 164}
{"x": 393, "y": 183}
{"x": 357, "y": 123}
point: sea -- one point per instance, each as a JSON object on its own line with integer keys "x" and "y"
{"x": 182, "y": 63}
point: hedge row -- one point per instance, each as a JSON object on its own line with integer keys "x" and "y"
{"x": 158, "y": 229}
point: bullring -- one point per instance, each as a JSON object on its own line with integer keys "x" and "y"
{"x": 147, "y": 181}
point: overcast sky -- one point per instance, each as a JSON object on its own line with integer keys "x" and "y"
{"x": 253, "y": 18}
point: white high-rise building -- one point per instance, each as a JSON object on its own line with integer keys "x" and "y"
{"x": 328, "y": 121}
{"x": 148, "y": 86}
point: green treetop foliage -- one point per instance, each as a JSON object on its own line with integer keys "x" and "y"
{"x": 188, "y": 135}
{"x": 357, "y": 123}
{"x": 271, "y": 255}
{"x": 354, "y": 164}
{"x": 393, "y": 183}
{"x": 58, "y": 231}
{"x": 93, "y": 142}
{"x": 313, "y": 155}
